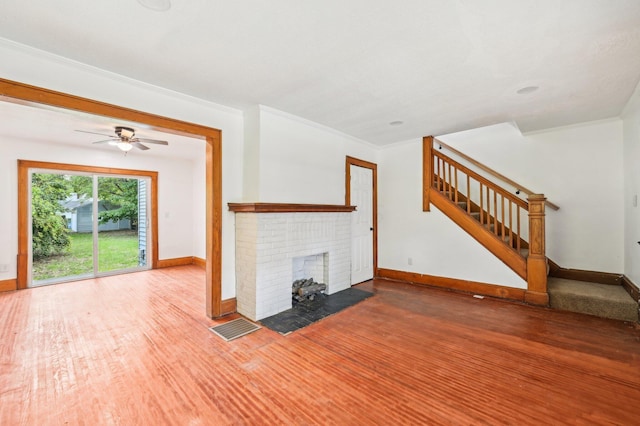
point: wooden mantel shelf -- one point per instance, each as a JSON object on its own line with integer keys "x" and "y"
{"x": 288, "y": 208}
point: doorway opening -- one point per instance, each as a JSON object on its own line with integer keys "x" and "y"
{"x": 21, "y": 92}
{"x": 87, "y": 225}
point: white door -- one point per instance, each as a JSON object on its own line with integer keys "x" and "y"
{"x": 362, "y": 224}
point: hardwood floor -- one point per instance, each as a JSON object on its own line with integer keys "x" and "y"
{"x": 135, "y": 349}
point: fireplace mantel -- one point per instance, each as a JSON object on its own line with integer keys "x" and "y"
{"x": 289, "y": 208}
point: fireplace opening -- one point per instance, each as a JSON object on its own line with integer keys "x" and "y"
{"x": 307, "y": 289}
{"x": 310, "y": 275}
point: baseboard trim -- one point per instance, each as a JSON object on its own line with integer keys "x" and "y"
{"x": 557, "y": 271}
{"x": 177, "y": 261}
{"x": 198, "y": 261}
{"x": 454, "y": 284}
{"x": 631, "y": 288}
{"x": 8, "y": 285}
{"x": 228, "y": 306}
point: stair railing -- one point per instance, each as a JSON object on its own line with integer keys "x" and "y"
{"x": 499, "y": 211}
{"x": 511, "y": 228}
{"x": 517, "y": 187}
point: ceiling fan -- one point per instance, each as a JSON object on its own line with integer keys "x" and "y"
{"x": 126, "y": 139}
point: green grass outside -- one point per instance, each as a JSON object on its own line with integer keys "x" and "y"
{"x": 117, "y": 250}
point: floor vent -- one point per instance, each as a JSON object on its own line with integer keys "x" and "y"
{"x": 234, "y": 329}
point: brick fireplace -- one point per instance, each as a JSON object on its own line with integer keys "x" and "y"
{"x": 278, "y": 243}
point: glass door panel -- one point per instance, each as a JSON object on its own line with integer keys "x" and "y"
{"x": 120, "y": 204}
{"x": 61, "y": 228}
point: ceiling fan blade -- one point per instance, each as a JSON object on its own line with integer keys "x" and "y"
{"x": 94, "y": 133}
{"x": 105, "y": 141}
{"x": 155, "y": 141}
{"x": 139, "y": 146}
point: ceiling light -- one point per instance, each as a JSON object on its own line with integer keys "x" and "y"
{"x": 396, "y": 123}
{"x": 527, "y": 90}
{"x": 125, "y": 146}
{"x": 157, "y": 5}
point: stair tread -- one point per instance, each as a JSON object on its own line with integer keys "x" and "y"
{"x": 609, "y": 301}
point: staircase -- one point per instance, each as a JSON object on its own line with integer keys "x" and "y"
{"x": 513, "y": 229}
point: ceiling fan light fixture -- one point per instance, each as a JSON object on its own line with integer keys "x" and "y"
{"x": 156, "y": 5}
{"x": 124, "y": 146}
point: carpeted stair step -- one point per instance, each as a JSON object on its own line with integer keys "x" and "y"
{"x": 607, "y": 301}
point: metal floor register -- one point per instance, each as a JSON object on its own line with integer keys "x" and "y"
{"x": 234, "y": 329}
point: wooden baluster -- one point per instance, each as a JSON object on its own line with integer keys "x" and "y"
{"x": 518, "y": 230}
{"x": 502, "y": 218}
{"x": 481, "y": 204}
{"x": 488, "y": 206}
{"x": 450, "y": 183}
{"x": 495, "y": 212}
{"x": 444, "y": 176}
{"x": 455, "y": 177}
{"x": 537, "y": 260}
{"x": 468, "y": 194}
{"x": 511, "y": 223}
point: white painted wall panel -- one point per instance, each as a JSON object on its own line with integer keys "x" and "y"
{"x": 302, "y": 162}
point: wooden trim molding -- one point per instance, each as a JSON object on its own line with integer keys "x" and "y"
{"x": 40, "y": 96}
{"x": 352, "y": 161}
{"x": 453, "y": 284}
{"x": 631, "y": 288}
{"x": 8, "y": 285}
{"x": 198, "y": 261}
{"x": 427, "y": 172}
{"x": 557, "y": 271}
{"x": 288, "y": 208}
{"x": 176, "y": 261}
{"x": 229, "y": 306}
{"x": 25, "y": 166}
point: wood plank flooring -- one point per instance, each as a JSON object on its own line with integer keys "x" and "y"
{"x": 135, "y": 349}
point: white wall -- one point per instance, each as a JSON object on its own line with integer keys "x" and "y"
{"x": 435, "y": 244}
{"x": 579, "y": 168}
{"x": 301, "y": 161}
{"x": 38, "y": 68}
{"x": 631, "y": 136}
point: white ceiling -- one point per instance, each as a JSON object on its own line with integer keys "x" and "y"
{"x": 34, "y": 123}
{"x": 357, "y": 65}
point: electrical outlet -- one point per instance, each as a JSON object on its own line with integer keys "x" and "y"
{"x": 410, "y": 261}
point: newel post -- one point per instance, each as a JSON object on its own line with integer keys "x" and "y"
{"x": 537, "y": 260}
{"x": 427, "y": 172}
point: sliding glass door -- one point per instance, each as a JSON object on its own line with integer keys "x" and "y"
{"x": 87, "y": 225}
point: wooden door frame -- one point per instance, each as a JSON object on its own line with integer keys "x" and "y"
{"x": 26, "y": 166}
{"x": 352, "y": 161}
{"x": 213, "y": 138}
